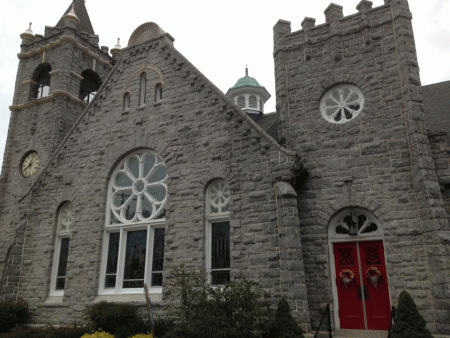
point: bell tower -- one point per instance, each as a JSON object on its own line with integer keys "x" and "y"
{"x": 59, "y": 74}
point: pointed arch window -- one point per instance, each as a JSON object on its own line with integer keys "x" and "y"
{"x": 61, "y": 253}
{"x": 142, "y": 89}
{"x": 133, "y": 251}
{"x": 218, "y": 233}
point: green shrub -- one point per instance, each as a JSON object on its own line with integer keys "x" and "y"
{"x": 235, "y": 310}
{"x": 163, "y": 325}
{"x": 98, "y": 334}
{"x": 48, "y": 332}
{"x": 408, "y": 322}
{"x": 143, "y": 336}
{"x": 121, "y": 320}
{"x": 284, "y": 325}
{"x": 13, "y": 314}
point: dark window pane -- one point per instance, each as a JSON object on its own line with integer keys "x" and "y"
{"x": 220, "y": 277}
{"x": 62, "y": 263}
{"x": 110, "y": 281}
{"x": 135, "y": 259}
{"x": 158, "y": 250}
{"x": 157, "y": 279}
{"x": 60, "y": 283}
{"x": 113, "y": 253}
{"x": 220, "y": 246}
{"x": 128, "y": 284}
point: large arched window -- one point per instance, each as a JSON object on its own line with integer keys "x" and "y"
{"x": 89, "y": 85}
{"x": 133, "y": 251}
{"x": 62, "y": 241}
{"x": 41, "y": 77}
{"x": 218, "y": 232}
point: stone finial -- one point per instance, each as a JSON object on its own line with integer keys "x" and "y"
{"x": 364, "y": 6}
{"x": 334, "y": 12}
{"x": 71, "y": 19}
{"x": 308, "y": 22}
{"x": 28, "y": 35}
{"x": 117, "y": 50}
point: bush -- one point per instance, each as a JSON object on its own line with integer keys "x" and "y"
{"x": 233, "y": 311}
{"x": 143, "y": 336}
{"x": 48, "y": 332}
{"x": 163, "y": 325}
{"x": 284, "y": 325}
{"x": 121, "y": 320}
{"x": 98, "y": 334}
{"x": 13, "y": 314}
{"x": 408, "y": 322}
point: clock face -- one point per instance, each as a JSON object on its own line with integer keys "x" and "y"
{"x": 30, "y": 164}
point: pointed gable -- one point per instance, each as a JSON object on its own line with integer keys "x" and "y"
{"x": 81, "y": 12}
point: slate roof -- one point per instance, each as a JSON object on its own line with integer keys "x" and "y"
{"x": 82, "y": 14}
{"x": 436, "y": 105}
{"x": 268, "y": 122}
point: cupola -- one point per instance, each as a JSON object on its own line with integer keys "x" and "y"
{"x": 249, "y": 95}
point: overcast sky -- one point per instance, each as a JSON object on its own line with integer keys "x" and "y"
{"x": 219, "y": 38}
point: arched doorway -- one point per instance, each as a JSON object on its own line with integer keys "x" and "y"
{"x": 358, "y": 266}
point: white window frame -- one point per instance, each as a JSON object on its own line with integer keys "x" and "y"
{"x": 212, "y": 218}
{"x": 61, "y": 233}
{"x": 123, "y": 226}
{"x": 123, "y": 229}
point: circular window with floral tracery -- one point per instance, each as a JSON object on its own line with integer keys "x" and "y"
{"x": 342, "y": 103}
{"x": 138, "y": 189}
{"x": 218, "y": 197}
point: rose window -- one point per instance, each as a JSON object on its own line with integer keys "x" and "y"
{"x": 65, "y": 218}
{"x": 342, "y": 104}
{"x": 219, "y": 197}
{"x": 138, "y": 190}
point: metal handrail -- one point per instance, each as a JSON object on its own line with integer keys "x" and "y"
{"x": 391, "y": 323}
{"x": 328, "y": 314}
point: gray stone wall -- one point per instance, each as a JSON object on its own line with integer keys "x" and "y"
{"x": 380, "y": 160}
{"x": 201, "y": 136}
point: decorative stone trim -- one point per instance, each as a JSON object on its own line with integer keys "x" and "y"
{"x": 284, "y": 189}
{"x": 54, "y": 72}
{"x": 30, "y": 81}
{"x": 47, "y": 99}
{"x": 78, "y": 76}
{"x": 64, "y": 38}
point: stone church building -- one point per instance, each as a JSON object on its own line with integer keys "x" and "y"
{"x": 122, "y": 165}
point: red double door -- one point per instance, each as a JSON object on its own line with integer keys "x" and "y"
{"x": 362, "y": 285}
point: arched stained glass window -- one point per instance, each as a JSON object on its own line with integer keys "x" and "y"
{"x": 135, "y": 225}
{"x": 218, "y": 232}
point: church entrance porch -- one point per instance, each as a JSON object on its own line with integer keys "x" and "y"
{"x": 361, "y": 284}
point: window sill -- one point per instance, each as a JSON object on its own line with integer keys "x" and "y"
{"x": 142, "y": 107}
{"x": 157, "y": 103}
{"x": 55, "y": 301}
{"x": 155, "y": 297}
{"x": 125, "y": 112}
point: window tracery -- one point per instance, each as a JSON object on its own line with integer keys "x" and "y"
{"x": 342, "y": 103}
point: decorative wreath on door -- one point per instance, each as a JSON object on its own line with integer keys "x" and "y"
{"x": 347, "y": 277}
{"x": 374, "y": 276}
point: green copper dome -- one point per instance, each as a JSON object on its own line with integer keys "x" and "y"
{"x": 246, "y": 81}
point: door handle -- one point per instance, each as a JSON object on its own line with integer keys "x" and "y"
{"x": 362, "y": 292}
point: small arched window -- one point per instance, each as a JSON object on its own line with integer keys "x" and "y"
{"x": 218, "y": 232}
{"x": 89, "y": 85}
{"x": 42, "y": 78}
{"x": 142, "y": 89}
{"x": 126, "y": 101}
{"x": 241, "y": 101}
{"x": 158, "y": 92}
{"x": 62, "y": 241}
{"x": 133, "y": 252}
